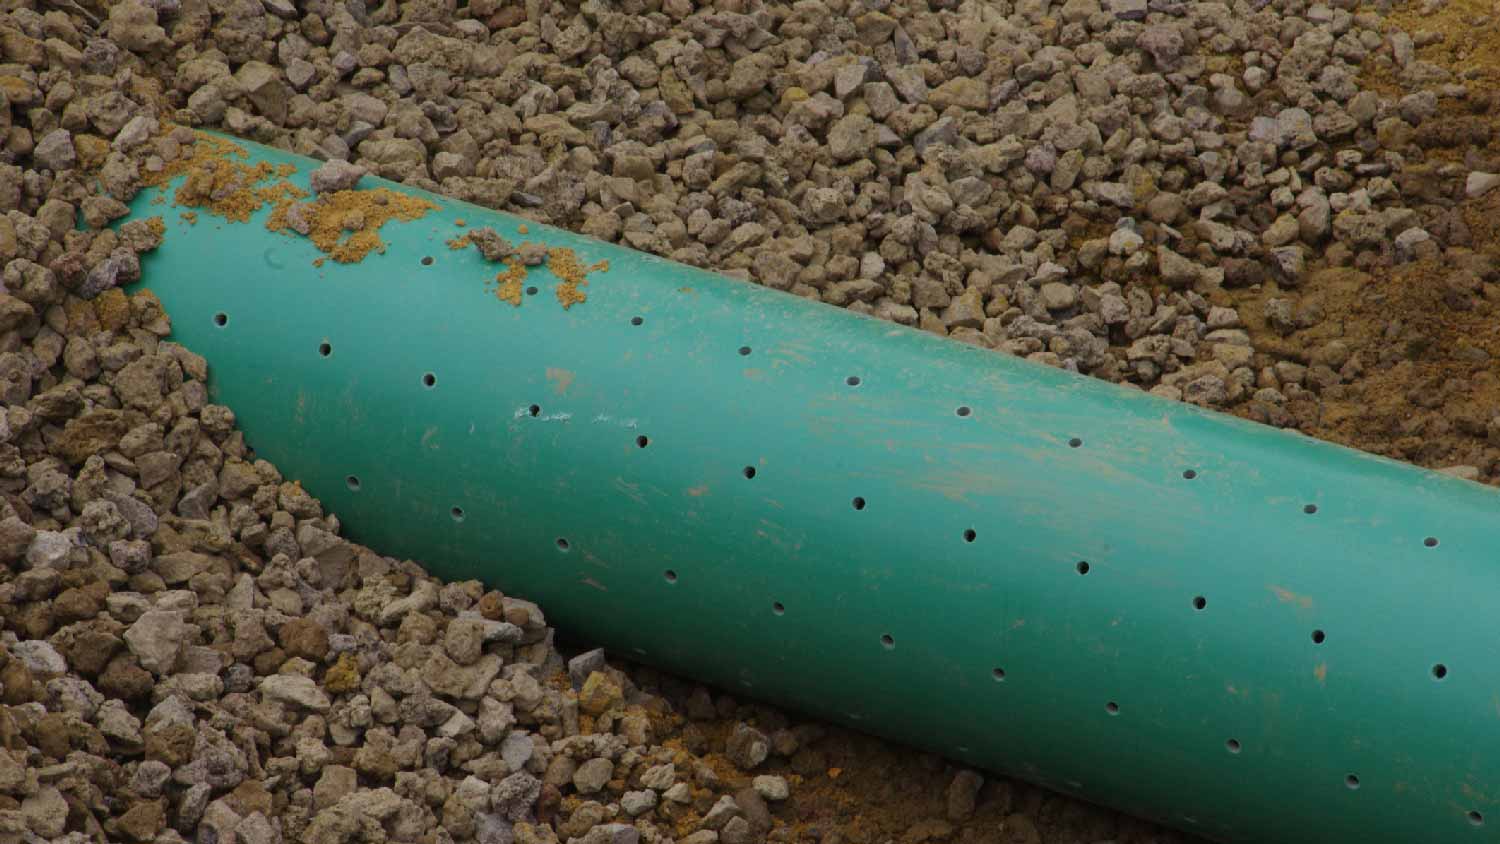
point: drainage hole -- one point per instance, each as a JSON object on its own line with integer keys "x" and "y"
{"x": 531, "y": 291}
{"x": 852, "y": 380}
{"x": 1075, "y": 443}
{"x": 744, "y": 351}
{"x": 352, "y": 482}
{"x": 1200, "y": 602}
{"x": 998, "y": 674}
{"x": 749, "y": 472}
{"x": 1430, "y": 542}
{"x": 535, "y": 410}
{"x": 963, "y": 410}
{"x": 562, "y": 543}
{"x": 642, "y": 441}
{"x": 970, "y": 535}
{"x": 1476, "y": 819}
{"x": 1083, "y": 567}
{"x": 888, "y": 641}
{"x": 426, "y": 260}
{"x": 1352, "y": 782}
{"x": 779, "y": 608}
{"x": 1112, "y": 708}
{"x": 1439, "y": 671}
{"x": 457, "y": 513}
{"x": 1309, "y": 509}
{"x": 1318, "y": 636}
{"x": 637, "y": 321}
{"x": 859, "y": 503}
{"x": 1233, "y": 745}
{"x": 221, "y": 319}
{"x": 325, "y": 349}
{"x": 670, "y": 576}
{"x": 429, "y": 380}
{"x": 1189, "y": 474}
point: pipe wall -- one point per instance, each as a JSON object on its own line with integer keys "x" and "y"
{"x": 1227, "y": 628}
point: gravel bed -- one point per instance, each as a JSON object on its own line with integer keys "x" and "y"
{"x": 1280, "y": 209}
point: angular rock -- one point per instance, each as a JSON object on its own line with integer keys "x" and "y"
{"x": 156, "y": 640}
{"x": 301, "y": 691}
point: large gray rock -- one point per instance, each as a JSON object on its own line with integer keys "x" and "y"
{"x": 156, "y": 639}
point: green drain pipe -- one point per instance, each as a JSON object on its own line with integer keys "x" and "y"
{"x": 1226, "y": 628}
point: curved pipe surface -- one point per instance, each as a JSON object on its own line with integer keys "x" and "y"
{"x": 1234, "y": 630}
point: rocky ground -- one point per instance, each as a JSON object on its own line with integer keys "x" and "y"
{"x": 1283, "y": 210}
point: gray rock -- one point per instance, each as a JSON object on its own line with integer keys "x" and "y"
{"x": 513, "y": 797}
{"x": 1294, "y": 129}
{"x": 613, "y": 833}
{"x": 659, "y": 777}
{"x": 135, "y": 132}
{"x": 1164, "y": 43}
{"x": 771, "y": 787}
{"x": 737, "y": 831}
{"x": 1410, "y": 243}
{"x": 301, "y": 691}
{"x": 45, "y": 812}
{"x": 40, "y": 657}
{"x": 962, "y": 792}
{"x": 517, "y": 750}
{"x": 909, "y": 83}
{"x": 16, "y": 538}
{"x": 300, "y": 72}
{"x": 1479, "y": 183}
{"x": 592, "y": 775}
{"x": 490, "y": 828}
{"x": 636, "y": 803}
{"x": 721, "y": 813}
{"x": 1289, "y": 262}
{"x": 256, "y": 829}
{"x": 965, "y": 311}
{"x": 150, "y": 778}
{"x": 1176, "y": 270}
{"x": 747, "y": 747}
{"x": 848, "y": 79}
{"x": 336, "y": 176}
{"x": 133, "y": 25}
{"x": 586, "y": 663}
{"x": 50, "y": 549}
{"x": 464, "y": 640}
{"x": 156, "y": 639}
{"x": 55, "y": 151}
{"x": 853, "y": 136}
{"x": 1057, "y": 296}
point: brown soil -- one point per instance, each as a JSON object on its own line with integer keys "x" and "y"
{"x": 345, "y": 225}
{"x": 571, "y": 275}
{"x": 509, "y": 282}
{"x": 1416, "y": 344}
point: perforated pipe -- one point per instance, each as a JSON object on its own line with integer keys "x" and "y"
{"x": 1227, "y": 628}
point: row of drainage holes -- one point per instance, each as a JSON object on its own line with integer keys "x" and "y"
{"x": 1111, "y": 708}
{"x": 749, "y": 471}
{"x": 430, "y": 380}
{"x": 1439, "y": 670}
{"x": 855, "y": 381}
{"x": 1308, "y": 508}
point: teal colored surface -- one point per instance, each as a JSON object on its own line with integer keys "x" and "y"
{"x": 1115, "y": 688}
